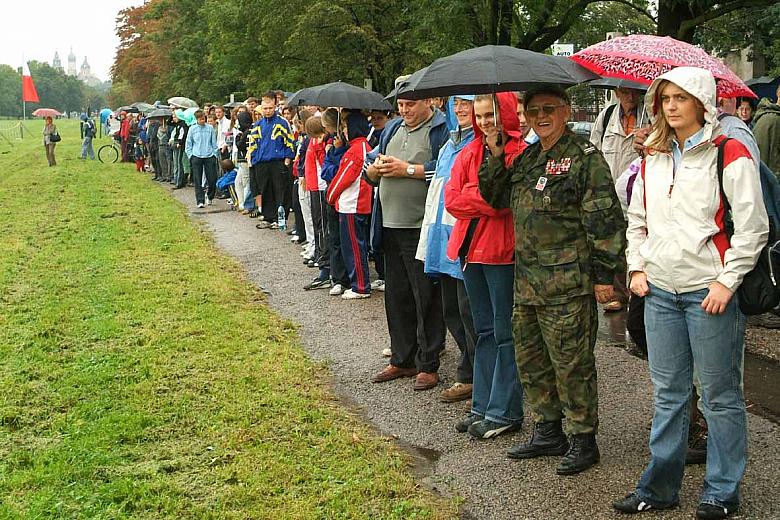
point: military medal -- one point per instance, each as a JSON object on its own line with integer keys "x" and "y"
{"x": 541, "y": 183}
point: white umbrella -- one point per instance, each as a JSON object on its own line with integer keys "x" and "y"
{"x": 182, "y": 102}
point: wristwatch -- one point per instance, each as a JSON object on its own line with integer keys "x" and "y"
{"x": 410, "y": 170}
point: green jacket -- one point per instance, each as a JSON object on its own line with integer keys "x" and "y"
{"x": 766, "y": 129}
{"x": 569, "y": 229}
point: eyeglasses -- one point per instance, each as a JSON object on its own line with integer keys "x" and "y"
{"x": 547, "y": 109}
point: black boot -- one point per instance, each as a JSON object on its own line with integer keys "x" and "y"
{"x": 583, "y": 453}
{"x": 547, "y": 439}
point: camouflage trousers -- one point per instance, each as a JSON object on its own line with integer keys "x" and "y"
{"x": 555, "y": 362}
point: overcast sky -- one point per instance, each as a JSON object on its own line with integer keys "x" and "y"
{"x": 37, "y": 28}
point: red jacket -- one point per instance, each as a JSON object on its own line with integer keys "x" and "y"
{"x": 312, "y": 166}
{"x": 493, "y": 241}
{"x": 124, "y": 128}
{"x": 348, "y": 191}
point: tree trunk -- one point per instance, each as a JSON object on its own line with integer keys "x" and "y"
{"x": 671, "y": 14}
{"x": 505, "y": 22}
{"x": 493, "y": 22}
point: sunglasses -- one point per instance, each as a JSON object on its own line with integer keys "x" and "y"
{"x": 547, "y": 109}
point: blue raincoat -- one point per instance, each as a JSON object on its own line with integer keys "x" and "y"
{"x": 437, "y": 222}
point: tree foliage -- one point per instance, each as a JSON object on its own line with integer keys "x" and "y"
{"x": 208, "y": 49}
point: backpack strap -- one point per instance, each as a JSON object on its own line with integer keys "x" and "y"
{"x": 605, "y": 122}
{"x": 721, "y": 144}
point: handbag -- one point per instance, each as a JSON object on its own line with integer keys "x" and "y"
{"x": 55, "y": 138}
{"x": 760, "y": 288}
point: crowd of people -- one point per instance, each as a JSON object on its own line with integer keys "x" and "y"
{"x": 485, "y": 216}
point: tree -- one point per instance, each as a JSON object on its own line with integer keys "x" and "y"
{"x": 10, "y": 92}
{"x": 680, "y": 18}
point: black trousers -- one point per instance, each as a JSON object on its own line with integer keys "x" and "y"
{"x": 300, "y": 228}
{"x": 338, "y": 269}
{"x": 272, "y": 177}
{"x": 635, "y": 322}
{"x": 319, "y": 219}
{"x": 457, "y": 317}
{"x": 412, "y": 304}
{"x": 203, "y": 166}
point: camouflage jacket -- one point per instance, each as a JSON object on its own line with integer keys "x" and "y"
{"x": 569, "y": 228}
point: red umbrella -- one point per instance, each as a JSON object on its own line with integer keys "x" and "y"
{"x": 643, "y": 58}
{"x": 46, "y": 112}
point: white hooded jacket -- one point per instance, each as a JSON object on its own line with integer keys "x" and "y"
{"x": 676, "y": 232}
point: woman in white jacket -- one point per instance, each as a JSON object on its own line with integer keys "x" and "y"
{"x": 682, "y": 260}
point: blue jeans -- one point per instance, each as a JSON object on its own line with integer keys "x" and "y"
{"x": 86, "y": 149}
{"x": 497, "y": 395}
{"x": 679, "y": 334}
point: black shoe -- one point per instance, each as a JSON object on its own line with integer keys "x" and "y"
{"x": 583, "y": 453}
{"x": 633, "y": 504}
{"x": 317, "y": 283}
{"x": 713, "y": 512}
{"x": 547, "y": 439}
{"x": 486, "y": 429}
{"x": 462, "y": 426}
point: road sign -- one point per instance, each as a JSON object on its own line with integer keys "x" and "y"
{"x": 562, "y": 49}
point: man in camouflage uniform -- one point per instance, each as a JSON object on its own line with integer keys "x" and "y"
{"x": 569, "y": 239}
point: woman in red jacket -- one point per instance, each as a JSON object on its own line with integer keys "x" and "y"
{"x": 483, "y": 238}
{"x": 352, "y": 197}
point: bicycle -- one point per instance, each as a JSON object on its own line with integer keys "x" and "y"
{"x": 109, "y": 153}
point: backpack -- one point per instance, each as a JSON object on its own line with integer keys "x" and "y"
{"x": 89, "y": 129}
{"x": 760, "y": 288}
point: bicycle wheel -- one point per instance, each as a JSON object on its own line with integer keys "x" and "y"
{"x": 108, "y": 153}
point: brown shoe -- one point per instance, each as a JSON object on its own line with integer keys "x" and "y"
{"x": 391, "y": 372}
{"x": 426, "y": 380}
{"x": 457, "y": 392}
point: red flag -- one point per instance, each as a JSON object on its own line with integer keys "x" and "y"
{"x": 29, "y": 94}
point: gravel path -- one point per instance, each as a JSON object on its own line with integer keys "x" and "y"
{"x": 350, "y": 341}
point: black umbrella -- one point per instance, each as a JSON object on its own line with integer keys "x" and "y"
{"x": 496, "y": 68}
{"x": 763, "y": 80}
{"x": 613, "y": 83}
{"x": 129, "y": 109}
{"x": 341, "y": 95}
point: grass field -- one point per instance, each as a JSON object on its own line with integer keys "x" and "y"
{"x": 141, "y": 376}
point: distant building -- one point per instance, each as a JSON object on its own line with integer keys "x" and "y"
{"x": 71, "y": 63}
{"x": 86, "y": 75}
{"x": 56, "y": 63}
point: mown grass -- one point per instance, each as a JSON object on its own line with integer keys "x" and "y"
{"x": 141, "y": 376}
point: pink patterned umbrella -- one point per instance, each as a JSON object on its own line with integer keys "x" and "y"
{"x": 642, "y": 58}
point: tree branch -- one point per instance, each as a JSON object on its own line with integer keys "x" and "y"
{"x": 635, "y": 7}
{"x": 721, "y": 10}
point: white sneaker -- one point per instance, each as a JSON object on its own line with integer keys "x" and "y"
{"x": 336, "y": 290}
{"x": 293, "y": 238}
{"x": 387, "y": 352}
{"x": 349, "y": 294}
{"x": 200, "y": 204}
{"x": 378, "y": 285}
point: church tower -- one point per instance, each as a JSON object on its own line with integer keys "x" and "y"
{"x": 71, "y": 63}
{"x": 86, "y": 72}
{"x": 56, "y": 63}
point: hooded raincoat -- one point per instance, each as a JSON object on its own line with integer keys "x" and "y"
{"x": 438, "y": 222}
{"x": 676, "y": 227}
{"x": 493, "y": 236}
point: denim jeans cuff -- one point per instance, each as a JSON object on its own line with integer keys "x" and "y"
{"x": 503, "y": 420}
{"x": 656, "y": 503}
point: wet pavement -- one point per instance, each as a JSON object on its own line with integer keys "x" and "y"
{"x": 762, "y": 376}
{"x": 348, "y": 337}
